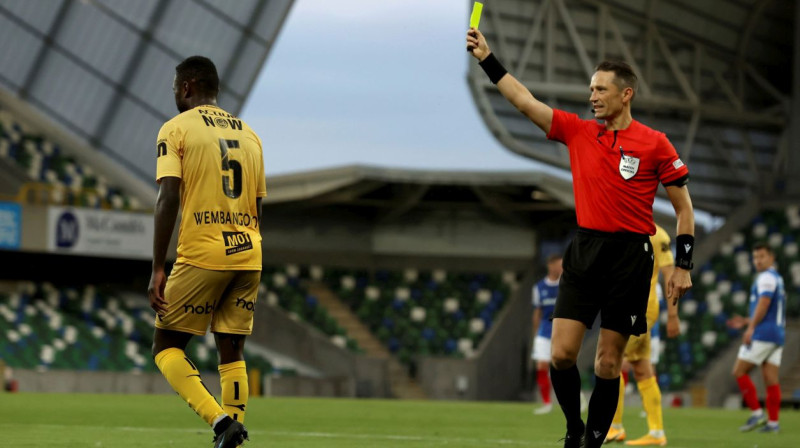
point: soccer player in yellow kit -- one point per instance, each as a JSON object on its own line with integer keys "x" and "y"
{"x": 637, "y": 352}
{"x": 210, "y": 163}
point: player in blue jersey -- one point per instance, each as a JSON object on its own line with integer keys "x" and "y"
{"x": 544, "y": 302}
{"x": 762, "y": 342}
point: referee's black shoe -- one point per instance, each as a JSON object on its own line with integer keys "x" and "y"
{"x": 574, "y": 440}
{"x": 231, "y": 437}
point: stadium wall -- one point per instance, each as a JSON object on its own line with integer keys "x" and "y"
{"x": 71, "y": 381}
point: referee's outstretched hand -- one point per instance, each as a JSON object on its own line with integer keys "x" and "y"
{"x": 679, "y": 283}
{"x": 476, "y": 44}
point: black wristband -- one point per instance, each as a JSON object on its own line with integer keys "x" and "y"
{"x": 493, "y": 68}
{"x": 684, "y": 247}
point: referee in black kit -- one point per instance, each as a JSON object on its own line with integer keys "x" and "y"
{"x": 616, "y": 168}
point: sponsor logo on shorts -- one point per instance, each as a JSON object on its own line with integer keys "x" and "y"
{"x": 633, "y": 320}
{"x": 249, "y": 305}
{"x": 199, "y": 309}
{"x": 236, "y": 242}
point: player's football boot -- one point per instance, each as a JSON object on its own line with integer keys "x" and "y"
{"x": 544, "y": 409}
{"x": 648, "y": 440}
{"x": 770, "y": 428}
{"x": 574, "y": 440}
{"x": 753, "y": 422}
{"x": 615, "y": 435}
{"x": 233, "y": 436}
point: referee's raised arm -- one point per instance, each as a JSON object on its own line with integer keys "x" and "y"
{"x": 516, "y": 93}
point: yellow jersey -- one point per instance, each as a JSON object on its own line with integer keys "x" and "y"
{"x": 662, "y": 256}
{"x": 220, "y": 162}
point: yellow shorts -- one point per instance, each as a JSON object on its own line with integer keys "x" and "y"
{"x": 198, "y": 297}
{"x": 638, "y": 347}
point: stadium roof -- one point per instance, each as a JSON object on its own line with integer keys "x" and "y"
{"x": 715, "y": 76}
{"x": 520, "y": 197}
{"x": 104, "y": 68}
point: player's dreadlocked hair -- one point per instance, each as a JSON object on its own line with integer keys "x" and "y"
{"x": 200, "y": 70}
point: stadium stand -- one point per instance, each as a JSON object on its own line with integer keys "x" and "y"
{"x": 287, "y": 287}
{"x": 413, "y": 313}
{"x": 46, "y": 327}
{"x": 62, "y": 178}
{"x": 721, "y": 290}
{"x": 424, "y": 313}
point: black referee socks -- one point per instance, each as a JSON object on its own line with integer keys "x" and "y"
{"x": 602, "y": 406}
{"x": 567, "y": 386}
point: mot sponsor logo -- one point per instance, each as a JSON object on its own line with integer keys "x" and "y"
{"x": 236, "y": 242}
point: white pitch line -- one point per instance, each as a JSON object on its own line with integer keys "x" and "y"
{"x": 306, "y": 434}
{"x": 444, "y": 440}
{"x": 459, "y": 441}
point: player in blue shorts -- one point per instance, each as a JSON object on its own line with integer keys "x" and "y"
{"x": 762, "y": 342}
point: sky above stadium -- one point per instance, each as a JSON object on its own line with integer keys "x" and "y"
{"x": 372, "y": 82}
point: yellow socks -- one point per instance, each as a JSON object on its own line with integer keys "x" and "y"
{"x": 620, "y": 405}
{"x": 235, "y": 389}
{"x": 184, "y": 378}
{"x": 651, "y": 401}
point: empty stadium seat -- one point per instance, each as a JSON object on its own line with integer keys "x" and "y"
{"x": 70, "y": 181}
{"x": 44, "y": 327}
{"x": 417, "y": 312}
{"x": 286, "y": 286}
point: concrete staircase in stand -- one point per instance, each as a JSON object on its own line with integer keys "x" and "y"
{"x": 402, "y": 386}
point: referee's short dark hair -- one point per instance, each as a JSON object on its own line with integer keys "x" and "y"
{"x": 763, "y": 246}
{"x": 623, "y": 74}
{"x": 553, "y": 257}
{"x": 202, "y": 71}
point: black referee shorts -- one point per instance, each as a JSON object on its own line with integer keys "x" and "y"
{"x": 607, "y": 273}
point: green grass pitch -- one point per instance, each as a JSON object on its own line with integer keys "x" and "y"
{"x": 123, "y": 421}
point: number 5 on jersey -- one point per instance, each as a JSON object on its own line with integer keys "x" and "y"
{"x": 234, "y": 191}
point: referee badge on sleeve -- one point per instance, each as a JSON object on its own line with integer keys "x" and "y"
{"x": 628, "y": 165}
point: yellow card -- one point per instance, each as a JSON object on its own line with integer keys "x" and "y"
{"x": 475, "y": 19}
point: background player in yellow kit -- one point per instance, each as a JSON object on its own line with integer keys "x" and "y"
{"x": 637, "y": 352}
{"x": 211, "y": 164}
